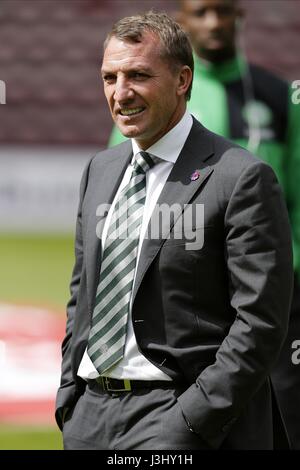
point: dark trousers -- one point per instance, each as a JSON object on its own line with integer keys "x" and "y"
{"x": 143, "y": 419}
{"x": 286, "y": 375}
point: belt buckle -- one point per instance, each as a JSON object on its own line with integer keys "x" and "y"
{"x": 106, "y": 382}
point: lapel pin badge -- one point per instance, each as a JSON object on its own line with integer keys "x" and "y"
{"x": 195, "y": 175}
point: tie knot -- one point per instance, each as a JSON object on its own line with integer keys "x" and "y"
{"x": 144, "y": 161}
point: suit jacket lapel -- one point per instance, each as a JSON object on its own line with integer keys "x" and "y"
{"x": 178, "y": 189}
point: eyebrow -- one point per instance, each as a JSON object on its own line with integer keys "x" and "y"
{"x": 136, "y": 68}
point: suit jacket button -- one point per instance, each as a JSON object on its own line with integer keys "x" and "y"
{"x": 225, "y": 427}
{"x": 228, "y": 425}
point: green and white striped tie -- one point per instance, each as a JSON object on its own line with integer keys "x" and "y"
{"x": 109, "y": 323}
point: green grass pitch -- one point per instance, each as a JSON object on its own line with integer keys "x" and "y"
{"x": 34, "y": 269}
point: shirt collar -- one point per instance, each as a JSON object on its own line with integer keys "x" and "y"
{"x": 225, "y": 71}
{"x": 170, "y": 145}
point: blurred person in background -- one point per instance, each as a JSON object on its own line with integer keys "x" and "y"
{"x": 252, "y": 107}
{"x": 170, "y": 341}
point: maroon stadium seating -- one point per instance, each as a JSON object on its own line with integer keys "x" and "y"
{"x": 50, "y": 53}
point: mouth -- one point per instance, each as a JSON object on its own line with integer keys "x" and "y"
{"x": 216, "y": 39}
{"x": 131, "y": 111}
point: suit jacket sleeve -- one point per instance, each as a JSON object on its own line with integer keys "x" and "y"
{"x": 66, "y": 394}
{"x": 259, "y": 263}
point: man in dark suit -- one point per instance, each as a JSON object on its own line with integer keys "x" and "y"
{"x": 183, "y": 275}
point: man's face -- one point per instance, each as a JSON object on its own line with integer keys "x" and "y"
{"x": 145, "y": 97}
{"x": 211, "y": 25}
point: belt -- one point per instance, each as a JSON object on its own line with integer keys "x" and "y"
{"x": 107, "y": 384}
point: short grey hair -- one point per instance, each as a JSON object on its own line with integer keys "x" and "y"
{"x": 176, "y": 47}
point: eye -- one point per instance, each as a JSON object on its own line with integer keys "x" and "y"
{"x": 225, "y": 10}
{"x": 109, "y": 78}
{"x": 139, "y": 76}
{"x": 199, "y": 13}
{"x": 221, "y": 11}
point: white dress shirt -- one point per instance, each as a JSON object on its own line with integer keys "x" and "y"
{"x": 134, "y": 365}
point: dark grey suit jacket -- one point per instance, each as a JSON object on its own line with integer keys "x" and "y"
{"x": 214, "y": 317}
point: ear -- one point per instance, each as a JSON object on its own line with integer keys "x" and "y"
{"x": 239, "y": 20}
{"x": 185, "y": 78}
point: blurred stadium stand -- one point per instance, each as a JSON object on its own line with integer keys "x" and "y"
{"x": 55, "y": 117}
{"x": 50, "y": 55}
{"x": 50, "y": 52}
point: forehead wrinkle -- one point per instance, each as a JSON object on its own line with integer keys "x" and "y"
{"x": 119, "y": 47}
{"x": 195, "y": 5}
{"x": 124, "y": 60}
{"x": 125, "y": 65}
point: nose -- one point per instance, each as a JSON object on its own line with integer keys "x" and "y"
{"x": 123, "y": 91}
{"x": 212, "y": 19}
